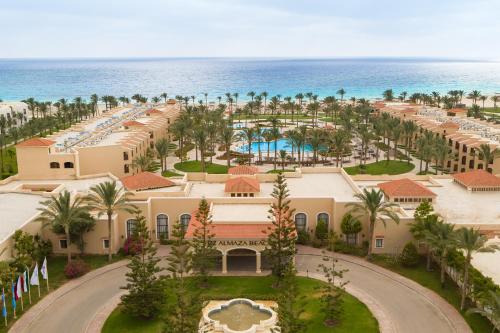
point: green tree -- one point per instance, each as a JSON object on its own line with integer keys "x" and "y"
{"x": 442, "y": 239}
{"x": 373, "y": 206}
{"x": 183, "y": 313}
{"x": 281, "y": 235}
{"x": 202, "y": 243}
{"x": 350, "y": 226}
{"x": 409, "y": 256}
{"x": 290, "y": 306}
{"x": 77, "y": 230}
{"x": 321, "y": 231}
{"x": 145, "y": 297}
{"x": 489, "y": 308}
{"x": 162, "y": 148}
{"x": 470, "y": 240}
{"x": 108, "y": 198}
{"x": 62, "y": 211}
{"x": 145, "y": 162}
{"x": 423, "y": 226}
{"x": 388, "y": 95}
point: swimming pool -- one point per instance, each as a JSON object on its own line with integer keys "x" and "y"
{"x": 282, "y": 144}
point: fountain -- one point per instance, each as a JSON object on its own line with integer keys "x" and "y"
{"x": 239, "y": 315}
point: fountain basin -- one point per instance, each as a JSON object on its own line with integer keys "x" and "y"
{"x": 240, "y": 315}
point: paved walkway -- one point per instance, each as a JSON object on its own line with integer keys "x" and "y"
{"x": 399, "y": 304}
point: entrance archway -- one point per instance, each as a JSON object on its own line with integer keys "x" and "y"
{"x": 242, "y": 259}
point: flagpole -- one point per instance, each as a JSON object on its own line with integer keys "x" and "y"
{"x": 28, "y": 283}
{"x": 4, "y": 307}
{"x": 13, "y": 296}
{"x": 39, "y": 291}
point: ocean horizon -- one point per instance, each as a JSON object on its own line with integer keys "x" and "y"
{"x": 54, "y": 78}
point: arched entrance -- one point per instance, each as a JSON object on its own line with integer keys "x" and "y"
{"x": 241, "y": 259}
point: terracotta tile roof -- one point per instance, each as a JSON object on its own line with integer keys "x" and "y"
{"x": 145, "y": 181}
{"x": 242, "y": 185}
{"x": 153, "y": 111}
{"x": 449, "y": 124}
{"x": 36, "y": 142}
{"x": 243, "y": 170}
{"x": 405, "y": 188}
{"x": 477, "y": 178}
{"x": 132, "y": 123}
{"x": 408, "y": 110}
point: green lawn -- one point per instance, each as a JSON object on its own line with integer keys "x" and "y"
{"x": 430, "y": 280}
{"x": 56, "y": 279}
{"x": 280, "y": 171}
{"x": 382, "y": 168}
{"x": 9, "y": 162}
{"x": 195, "y": 166}
{"x": 494, "y": 110}
{"x": 357, "y": 317}
{"x": 170, "y": 173}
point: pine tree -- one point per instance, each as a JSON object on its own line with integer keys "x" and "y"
{"x": 183, "y": 314}
{"x": 332, "y": 293}
{"x": 281, "y": 235}
{"x": 145, "y": 296}
{"x": 202, "y": 243}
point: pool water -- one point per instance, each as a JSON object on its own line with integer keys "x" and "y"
{"x": 282, "y": 144}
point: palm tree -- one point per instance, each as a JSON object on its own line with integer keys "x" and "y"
{"x": 495, "y": 100}
{"x": 372, "y": 205}
{"x": 164, "y": 96}
{"x": 442, "y": 239}
{"x": 388, "y": 95}
{"x": 474, "y": 95}
{"x": 108, "y": 198}
{"x": 283, "y": 155}
{"x": 315, "y": 140}
{"x": 341, "y": 92}
{"x": 227, "y": 137}
{"x": 487, "y": 155}
{"x": 248, "y": 134}
{"x": 489, "y": 308}
{"x": 162, "y": 147}
{"x": 275, "y": 136}
{"x": 471, "y": 240}
{"x": 62, "y": 211}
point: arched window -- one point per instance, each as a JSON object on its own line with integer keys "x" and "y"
{"x": 68, "y": 165}
{"x": 300, "y": 221}
{"x": 130, "y": 227}
{"x": 323, "y": 217}
{"x": 185, "y": 219}
{"x": 54, "y": 165}
{"x": 162, "y": 226}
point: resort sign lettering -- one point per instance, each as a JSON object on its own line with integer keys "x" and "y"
{"x": 241, "y": 242}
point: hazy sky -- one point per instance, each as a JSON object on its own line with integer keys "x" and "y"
{"x": 290, "y": 28}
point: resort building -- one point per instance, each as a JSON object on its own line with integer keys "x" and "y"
{"x": 108, "y": 143}
{"x": 464, "y": 134}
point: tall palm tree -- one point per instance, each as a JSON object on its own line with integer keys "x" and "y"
{"x": 164, "y": 96}
{"x": 275, "y": 136}
{"x": 248, "y": 134}
{"x": 341, "y": 92}
{"x": 373, "y": 206}
{"x": 495, "y": 100}
{"x": 474, "y": 95}
{"x": 471, "y": 240}
{"x": 442, "y": 239}
{"x": 487, "y": 155}
{"x": 227, "y": 138}
{"x": 63, "y": 211}
{"x": 162, "y": 147}
{"x": 109, "y": 198}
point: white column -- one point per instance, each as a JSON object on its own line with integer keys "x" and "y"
{"x": 224, "y": 263}
{"x": 258, "y": 262}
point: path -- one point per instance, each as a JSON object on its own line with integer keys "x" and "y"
{"x": 403, "y": 305}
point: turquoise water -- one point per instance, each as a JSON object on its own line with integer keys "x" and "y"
{"x": 53, "y": 79}
{"x": 282, "y": 144}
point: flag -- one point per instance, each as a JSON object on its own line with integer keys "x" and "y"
{"x": 19, "y": 288}
{"x": 24, "y": 278}
{"x": 4, "y": 309}
{"x": 34, "y": 276}
{"x": 43, "y": 270}
{"x": 13, "y": 296}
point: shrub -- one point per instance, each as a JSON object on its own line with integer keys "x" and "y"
{"x": 321, "y": 231}
{"x": 76, "y": 268}
{"x": 409, "y": 256}
{"x": 303, "y": 237}
{"x": 132, "y": 246}
{"x": 316, "y": 243}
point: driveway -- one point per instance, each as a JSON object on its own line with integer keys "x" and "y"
{"x": 401, "y": 305}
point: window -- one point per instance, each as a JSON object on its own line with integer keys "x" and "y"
{"x": 162, "y": 226}
{"x": 351, "y": 239}
{"x": 105, "y": 243}
{"x": 185, "y": 219}
{"x": 125, "y": 156}
{"x": 68, "y": 165}
{"x": 323, "y": 217}
{"x": 379, "y": 243}
{"x": 63, "y": 244}
{"x": 151, "y": 135}
{"x": 130, "y": 227}
{"x": 54, "y": 165}
{"x": 126, "y": 168}
{"x": 300, "y": 221}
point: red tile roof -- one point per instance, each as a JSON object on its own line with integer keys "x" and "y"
{"x": 477, "y": 178}
{"x": 242, "y": 185}
{"x": 243, "y": 170}
{"x": 153, "y": 111}
{"x": 405, "y": 188}
{"x": 408, "y": 110}
{"x": 36, "y": 142}
{"x": 132, "y": 123}
{"x": 449, "y": 124}
{"x": 145, "y": 181}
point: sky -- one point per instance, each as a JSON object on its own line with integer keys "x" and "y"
{"x": 458, "y": 29}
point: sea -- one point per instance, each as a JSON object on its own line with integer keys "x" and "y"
{"x": 52, "y": 79}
